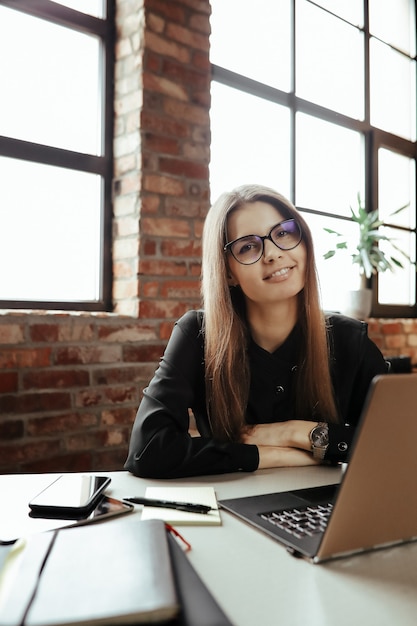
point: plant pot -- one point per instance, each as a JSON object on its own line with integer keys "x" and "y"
{"x": 358, "y": 303}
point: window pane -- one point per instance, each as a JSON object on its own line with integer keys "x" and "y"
{"x": 326, "y": 73}
{"x": 329, "y": 165}
{"x": 52, "y": 95}
{"x": 253, "y": 39}
{"x": 350, "y": 10}
{"x": 396, "y": 188}
{"x": 334, "y": 291}
{"x": 393, "y": 21}
{"x": 90, "y": 7}
{"x": 250, "y": 141}
{"x": 398, "y": 287}
{"x": 393, "y": 90}
{"x": 50, "y": 227}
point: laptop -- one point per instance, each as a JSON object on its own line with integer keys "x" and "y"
{"x": 375, "y": 504}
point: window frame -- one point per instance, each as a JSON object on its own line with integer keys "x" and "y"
{"x": 47, "y": 155}
{"x": 374, "y": 138}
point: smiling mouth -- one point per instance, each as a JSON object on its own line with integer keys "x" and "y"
{"x": 282, "y": 272}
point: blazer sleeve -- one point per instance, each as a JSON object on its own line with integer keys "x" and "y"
{"x": 160, "y": 444}
{"x": 355, "y": 361}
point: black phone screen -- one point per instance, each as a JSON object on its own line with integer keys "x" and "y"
{"x": 70, "y": 493}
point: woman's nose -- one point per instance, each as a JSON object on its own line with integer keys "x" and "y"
{"x": 271, "y": 251}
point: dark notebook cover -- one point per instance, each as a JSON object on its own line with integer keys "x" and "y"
{"x": 100, "y": 574}
{"x": 107, "y": 573}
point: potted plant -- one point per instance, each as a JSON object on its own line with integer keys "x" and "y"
{"x": 367, "y": 255}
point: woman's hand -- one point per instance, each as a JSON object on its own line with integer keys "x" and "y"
{"x": 282, "y": 444}
{"x": 290, "y": 434}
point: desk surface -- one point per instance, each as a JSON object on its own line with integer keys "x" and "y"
{"x": 256, "y": 581}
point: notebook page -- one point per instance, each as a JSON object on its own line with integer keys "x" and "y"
{"x": 196, "y": 495}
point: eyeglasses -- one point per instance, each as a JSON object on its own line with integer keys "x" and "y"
{"x": 249, "y": 249}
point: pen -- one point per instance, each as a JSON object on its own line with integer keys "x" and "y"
{"x": 169, "y": 504}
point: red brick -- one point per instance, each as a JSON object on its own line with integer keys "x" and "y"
{"x": 122, "y": 374}
{"x": 79, "y": 355}
{"x": 150, "y": 267}
{"x": 28, "y": 452}
{"x": 25, "y": 357}
{"x": 165, "y": 126}
{"x": 187, "y": 37}
{"x": 201, "y": 23}
{"x": 44, "y": 332}
{"x": 76, "y": 462}
{"x": 149, "y": 289}
{"x": 163, "y": 309}
{"x": 187, "y": 249}
{"x": 165, "y": 330}
{"x": 61, "y": 423}
{"x": 142, "y": 354}
{"x": 149, "y": 248}
{"x": 53, "y": 379}
{"x": 166, "y": 47}
{"x": 160, "y": 144}
{"x": 111, "y": 417}
{"x": 178, "y": 289}
{"x": 126, "y": 333}
{"x": 116, "y": 437}
{"x": 392, "y": 328}
{"x": 34, "y": 402}
{"x": 185, "y": 75}
{"x": 13, "y": 429}
{"x": 163, "y": 184}
{"x": 8, "y": 382}
{"x": 86, "y": 441}
{"x": 11, "y": 333}
{"x": 165, "y": 227}
{"x": 170, "y": 10}
{"x": 120, "y": 395}
{"x": 180, "y": 167}
{"x": 110, "y": 459}
{"x": 89, "y": 397}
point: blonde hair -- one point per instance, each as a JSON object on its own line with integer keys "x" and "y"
{"x": 226, "y": 332}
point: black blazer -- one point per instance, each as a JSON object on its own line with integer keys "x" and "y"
{"x": 160, "y": 445}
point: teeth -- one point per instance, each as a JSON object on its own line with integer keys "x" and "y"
{"x": 284, "y": 270}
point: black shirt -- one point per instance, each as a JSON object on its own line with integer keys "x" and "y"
{"x": 160, "y": 445}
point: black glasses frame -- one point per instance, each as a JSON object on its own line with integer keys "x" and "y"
{"x": 229, "y": 245}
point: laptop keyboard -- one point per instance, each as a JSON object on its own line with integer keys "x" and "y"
{"x": 301, "y": 522}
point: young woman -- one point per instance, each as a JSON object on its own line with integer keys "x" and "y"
{"x": 269, "y": 379}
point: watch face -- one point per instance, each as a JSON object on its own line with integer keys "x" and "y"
{"x": 320, "y": 436}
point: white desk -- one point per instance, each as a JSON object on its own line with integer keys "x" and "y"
{"x": 256, "y": 581}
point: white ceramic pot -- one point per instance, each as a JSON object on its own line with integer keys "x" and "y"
{"x": 358, "y": 303}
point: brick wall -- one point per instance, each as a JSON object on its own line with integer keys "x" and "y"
{"x": 69, "y": 388}
{"x": 395, "y": 337}
{"x": 70, "y": 383}
{"x": 162, "y": 147}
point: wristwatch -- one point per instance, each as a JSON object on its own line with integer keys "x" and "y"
{"x": 319, "y": 437}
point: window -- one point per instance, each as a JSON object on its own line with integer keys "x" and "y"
{"x": 317, "y": 99}
{"x": 56, "y": 153}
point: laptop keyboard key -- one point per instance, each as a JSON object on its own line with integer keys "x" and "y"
{"x": 301, "y": 522}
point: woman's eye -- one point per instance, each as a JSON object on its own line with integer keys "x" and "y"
{"x": 281, "y": 233}
{"x": 246, "y": 247}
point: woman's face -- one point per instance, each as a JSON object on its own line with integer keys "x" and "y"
{"x": 279, "y": 275}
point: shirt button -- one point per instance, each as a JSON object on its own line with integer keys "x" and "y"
{"x": 279, "y": 389}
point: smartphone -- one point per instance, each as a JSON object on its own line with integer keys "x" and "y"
{"x": 70, "y": 496}
{"x": 105, "y": 507}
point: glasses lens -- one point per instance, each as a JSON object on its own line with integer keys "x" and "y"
{"x": 286, "y": 235}
{"x": 247, "y": 250}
